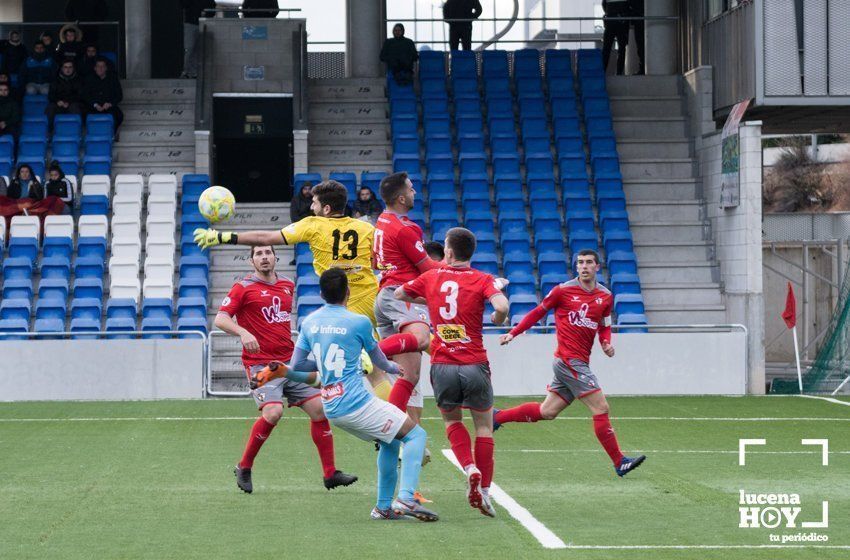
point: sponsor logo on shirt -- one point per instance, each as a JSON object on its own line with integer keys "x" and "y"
{"x": 453, "y": 333}
{"x": 332, "y": 391}
{"x": 273, "y": 314}
{"x": 331, "y": 329}
{"x": 225, "y": 302}
{"x": 579, "y": 318}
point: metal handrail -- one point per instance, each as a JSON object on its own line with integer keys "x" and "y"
{"x": 106, "y": 334}
{"x": 240, "y": 10}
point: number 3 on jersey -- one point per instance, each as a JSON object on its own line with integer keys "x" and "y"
{"x": 449, "y": 288}
{"x": 334, "y": 361}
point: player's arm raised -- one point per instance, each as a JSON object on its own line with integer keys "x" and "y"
{"x": 226, "y": 323}
{"x": 209, "y": 237}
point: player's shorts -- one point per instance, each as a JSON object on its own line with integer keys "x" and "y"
{"x": 376, "y": 419}
{"x": 573, "y": 380}
{"x": 273, "y": 392}
{"x": 462, "y": 385}
{"x": 364, "y": 304}
{"x": 416, "y": 397}
{"x": 393, "y": 314}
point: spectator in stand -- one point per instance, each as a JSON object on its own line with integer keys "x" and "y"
{"x": 14, "y": 53}
{"x": 299, "y": 208}
{"x": 614, "y": 29}
{"x": 367, "y": 207}
{"x": 60, "y": 186}
{"x": 460, "y": 32}
{"x": 87, "y": 10}
{"x": 38, "y": 71}
{"x": 637, "y": 9}
{"x": 70, "y": 45}
{"x": 66, "y": 93}
{"x": 399, "y": 54}
{"x": 102, "y": 93}
{"x": 10, "y": 112}
{"x": 46, "y": 38}
{"x": 270, "y": 6}
{"x": 192, "y": 11}
{"x": 25, "y": 184}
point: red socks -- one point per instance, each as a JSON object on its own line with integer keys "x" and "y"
{"x": 461, "y": 443}
{"x": 399, "y": 344}
{"x": 402, "y": 389}
{"x": 323, "y": 437}
{"x": 605, "y": 435}
{"x": 259, "y": 434}
{"x": 526, "y": 412}
{"x": 484, "y": 448}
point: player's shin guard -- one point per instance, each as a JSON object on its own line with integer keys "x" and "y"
{"x": 399, "y": 344}
{"x": 323, "y": 437}
{"x": 259, "y": 434}
{"x": 387, "y": 473}
{"x": 401, "y": 392}
{"x": 484, "y": 450}
{"x": 461, "y": 443}
{"x": 526, "y": 412}
{"x": 606, "y": 436}
{"x": 411, "y": 462}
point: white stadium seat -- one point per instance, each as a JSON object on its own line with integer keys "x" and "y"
{"x": 129, "y": 185}
{"x": 161, "y": 226}
{"x": 160, "y": 248}
{"x": 126, "y": 226}
{"x": 124, "y": 287}
{"x": 161, "y": 269}
{"x": 59, "y": 226}
{"x": 125, "y": 205}
{"x": 93, "y": 226}
{"x": 126, "y": 247}
{"x": 96, "y": 185}
{"x": 25, "y": 226}
{"x": 123, "y": 267}
{"x": 162, "y": 185}
{"x": 161, "y": 205}
{"x": 158, "y": 288}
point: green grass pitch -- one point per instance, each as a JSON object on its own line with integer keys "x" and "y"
{"x": 153, "y": 480}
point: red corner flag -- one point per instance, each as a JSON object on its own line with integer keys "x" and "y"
{"x": 790, "y": 313}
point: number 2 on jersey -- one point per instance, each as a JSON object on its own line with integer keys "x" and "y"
{"x": 334, "y": 361}
{"x": 451, "y": 290}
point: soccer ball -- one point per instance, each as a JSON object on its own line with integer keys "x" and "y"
{"x": 217, "y": 204}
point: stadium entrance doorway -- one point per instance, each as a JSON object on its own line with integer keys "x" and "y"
{"x": 252, "y": 145}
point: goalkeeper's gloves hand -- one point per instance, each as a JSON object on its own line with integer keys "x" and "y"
{"x": 209, "y": 237}
{"x": 275, "y": 370}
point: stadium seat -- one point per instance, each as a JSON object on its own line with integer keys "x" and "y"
{"x": 194, "y": 267}
{"x": 625, "y": 284}
{"x": 67, "y": 127}
{"x": 526, "y": 63}
{"x": 617, "y": 241}
{"x": 88, "y": 287}
{"x": 95, "y": 195}
{"x": 193, "y": 287}
{"x": 49, "y": 315}
{"x": 195, "y": 183}
{"x": 372, "y": 179}
{"x": 17, "y": 268}
{"x": 621, "y": 262}
{"x": 99, "y": 125}
{"x": 629, "y": 303}
{"x": 85, "y": 314}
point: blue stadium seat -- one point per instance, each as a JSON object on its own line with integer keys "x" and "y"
{"x": 519, "y": 277}
{"x": 603, "y": 148}
{"x": 561, "y": 88}
{"x": 300, "y": 178}
{"x": 543, "y": 245}
{"x": 17, "y": 268}
{"x": 610, "y": 202}
{"x": 405, "y": 126}
{"x": 589, "y": 62}
{"x": 564, "y": 108}
{"x": 578, "y": 204}
{"x": 67, "y": 127}
{"x": 505, "y": 145}
{"x": 191, "y": 324}
{"x": 486, "y": 262}
{"x": 350, "y": 179}
{"x": 50, "y": 315}
{"x": 194, "y": 287}
{"x": 583, "y": 239}
{"x": 153, "y": 324}
{"x": 614, "y": 221}
{"x": 15, "y": 309}
{"x": 567, "y": 127}
{"x": 497, "y": 88}
{"x": 476, "y": 210}
{"x": 467, "y": 107}
{"x": 629, "y": 303}
{"x": 23, "y": 247}
{"x": 432, "y": 64}
{"x": 510, "y": 209}
{"x": 443, "y": 210}
{"x": 85, "y": 316}
{"x": 438, "y": 148}
{"x": 406, "y": 146}
{"x": 625, "y": 284}
{"x": 440, "y": 167}
{"x": 372, "y": 179}
{"x": 18, "y": 288}
{"x": 56, "y": 267}
{"x": 513, "y": 268}
{"x": 579, "y": 221}
{"x": 34, "y": 105}
{"x": 194, "y": 267}
{"x": 572, "y": 168}
{"x": 529, "y": 88}
{"x": 406, "y": 162}
{"x": 195, "y": 183}
{"x": 7, "y": 154}
{"x": 88, "y": 267}
{"x": 552, "y": 263}
{"x": 99, "y": 125}
{"x": 191, "y": 307}
{"x": 622, "y": 262}
{"x": 508, "y": 189}
{"x": 537, "y": 147}
{"x": 632, "y": 319}
{"x": 526, "y": 63}
{"x": 596, "y": 107}
{"x": 519, "y": 248}
{"x": 473, "y": 168}
{"x": 501, "y": 126}
{"x": 617, "y": 241}
{"x": 558, "y": 63}
{"x": 397, "y": 91}
{"x": 86, "y": 247}
{"x": 510, "y": 226}
{"x": 575, "y": 188}
{"x": 465, "y": 88}
{"x": 441, "y": 189}
{"x": 88, "y": 288}
{"x": 475, "y": 189}
{"x": 157, "y": 308}
{"x": 534, "y": 127}
{"x": 53, "y": 288}
{"x": 307, "y": 286}
{"x": 308, "y": 304}
{"x": 34, "y": 127}
{"x": 470, "y": 126}
{"x": 440, "y": 227}
{"x": 606, "y": 168}
{"x": 599, "y": 127}
{"x": 539, "y": 166}
{"x": 435, "y": 107}
{"x": 437, "y": 127}
{"x": 521, "y": 289}
{"x": 403, "y": 107}
{"x": 570, "y": 147}
{"x": 463, "y": 63}
{"x": 494, "y": 64}
{"x": 97, "y": 165}
{"x": 506, "y": 166}
{"x": 433, "y": 89}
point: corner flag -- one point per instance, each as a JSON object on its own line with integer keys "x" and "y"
{"x": 790, "y": 313}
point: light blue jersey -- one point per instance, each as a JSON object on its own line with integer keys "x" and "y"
{"x": 335, "y": 336}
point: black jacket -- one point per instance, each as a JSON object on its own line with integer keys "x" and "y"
{"x": 299, "y": 208}
{"x": 462, "y": 9}
{"x": 98, "y": 90}
{"x": 68, "y": 89}
{"x": 371, "y": 207}
{"x": 61, "y": 188}
{"x": 10, "y": 112}
{"x": 401, "y": 50}
{"x": 13, "y": 56}
{"x": 15, "y": 190}
{"x": 74, "y": 51}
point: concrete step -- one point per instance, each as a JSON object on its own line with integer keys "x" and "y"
{"x": 153, "y": 167}
{"x": 661, "y": 106}
{"x": 275, "y": 217}
{"x": 163, "y": 113}
{"x": 670, "y": 294}
{"x": 650, "y": 127}
{"x": 224, "y": 279}
{"x": 667, "y": 271}
{"x": 180, "y": 154}
{"x": 634, "y": 148}
{"x": 354, "y": 112}
{"x": 687, "y": 315}
{"x": 645, "y": 86}
{"x": 160, "y": 135}
{"x": 663, "y": 231}
{"x": 238, "y": 258}
{"x": 158, "y": 90}
{"x": 660, "y": 189}
{"x": 330, "y": 154}
{"x": 351, "y": 134}
{"x": 350, "y": 89}
{"x": 657, "y": 168}
{"x": 652, "y": 211}
{"x": 681, "y": 253}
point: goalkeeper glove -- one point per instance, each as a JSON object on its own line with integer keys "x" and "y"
{"x": 208, "y": 237}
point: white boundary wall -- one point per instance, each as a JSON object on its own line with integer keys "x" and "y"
{"x": 713, "y": 363}
{"x": 46, "y": 370}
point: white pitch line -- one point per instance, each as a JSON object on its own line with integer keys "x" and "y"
{"x": 683, "y": 451}
{"x": 538, "y": 530}
{"x": 562, "y": 418}
{"x": 827, "y": 399}
{"x": 703, "y": 546}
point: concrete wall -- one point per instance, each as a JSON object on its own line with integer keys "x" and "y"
{"x": 101, "y": 369}
{"x": 736, "y": 231}
{"x": 228, "y": 50}
{"x": 644, "y": 364}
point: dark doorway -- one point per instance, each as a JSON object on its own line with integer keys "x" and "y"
{"x": 252, "y": 146}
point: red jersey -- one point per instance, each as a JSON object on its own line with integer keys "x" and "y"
{"x": 455, "y": 298}
{"x": 263, "y": 309}
{"x": 399, "y": 246}
{"x": 579, "y": 315}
